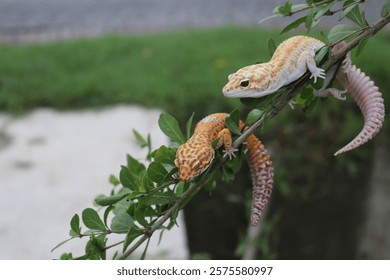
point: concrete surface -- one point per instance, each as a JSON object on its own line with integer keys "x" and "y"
{"x": 53, "y": 164}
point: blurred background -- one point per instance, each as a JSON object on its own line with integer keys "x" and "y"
{"x": 77, "y": 76}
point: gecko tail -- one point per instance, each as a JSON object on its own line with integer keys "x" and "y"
{"x": 370, "y": 101}
{"x": 262, "y": 177}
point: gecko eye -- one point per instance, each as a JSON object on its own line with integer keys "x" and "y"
{"x": 196, "y": 166}
{"x": 244, "y": 83}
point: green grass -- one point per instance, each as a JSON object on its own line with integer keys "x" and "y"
{"x": 180, "y": 72}
{"x": 174, "y": 70}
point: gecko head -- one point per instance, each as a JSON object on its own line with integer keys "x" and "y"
{"x": 249, "y": 81}
{"x": 192, "y": 160}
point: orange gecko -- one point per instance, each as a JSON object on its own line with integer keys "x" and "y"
{"x": 196, "y": 155}
{"x": 291, "y": 60}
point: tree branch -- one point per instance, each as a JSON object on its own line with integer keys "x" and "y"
{"x": 276, "y": 107}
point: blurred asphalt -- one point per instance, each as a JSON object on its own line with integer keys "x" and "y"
{"x": 45, "y": 20}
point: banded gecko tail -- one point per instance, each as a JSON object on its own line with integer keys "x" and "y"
{"x": 262, "y": 176}
{"x": 367, "y": 97}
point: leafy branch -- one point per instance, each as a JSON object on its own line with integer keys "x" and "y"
{"x": 178, "y": 204}
{"x": 147, "y": 196}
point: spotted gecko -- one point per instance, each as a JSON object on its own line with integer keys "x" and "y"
{"x": 291, "y": 60}
{"x": 196, "y": 155}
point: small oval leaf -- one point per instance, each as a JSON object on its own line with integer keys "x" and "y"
{"x": 75, "y": 224}
{"x": 133, "y": 233}
{"x": 170, "y": 127}
{"x": 128, "y": 180}
{"x": 108, "y": 200}
{"x": 253, "y": 116}
{"x": 122, "y": 221}
{"x": 92, "y": 220}
{"x": 156, "y": 172}
{"x": 340, "y": 32}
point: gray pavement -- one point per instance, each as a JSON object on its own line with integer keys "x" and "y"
{"x": 43, "y": 20}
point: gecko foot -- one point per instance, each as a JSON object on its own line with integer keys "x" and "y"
{"x": 317, "y": 73}
{"x": 336, "y": 93}
{"x": 347, "y": 63}
{"x": 292, "y": 103}
{"x": 229, "y": 152}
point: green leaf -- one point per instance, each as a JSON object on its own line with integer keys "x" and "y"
{"x": 122, "y": 221}
{"x": 95, "y": 248}
{"x": 146, "y": 184}
{"x": 109, "y": 200}
{"x": 215, "y": 142}
{"x": 165, "y": 155}
{"x": 268, "y": 18}
{"x": 106, "y": 213}
{"x": 305, "y": 97}
{"x": 66, "y": 256}
{"x": 361, "y": 45}
{"x": 385, "y": 11}
{"x": 141, "y": 140}
{"x": 133, "y": 233}
{"x": 128, "y": 179}
{"x": 253, "y": 116}
{"x": 158, "y": 198}
{"x": 173, "y": 218}
{"x": 189, "y": 126}
{"x": 309, "y": 20}
{"x": 211, "y": 182}
{"x": 341, "y": 32}
{"x": 180, "y": 188}
{"x": 170, "y": 127}
{"x": 232, "y": 126}
{"x": 145, "y": 250}
{"x": 92, "y": 220}
{"x": 310, "y": 106}
{"x": 75, "y": 224}
{"x": 140, "y": 214}
{"x": 227, "y": 176}
{"x": 234, "y": 164}
{"x": 157, "y": 173}
{"x": 347, "y": 7}
{"x": 134, "y": 165}
{"x": 232, "y": 122}
{"x": 257, "y": 103}
{"x": 271, "y": 46}
{"x": 285, "y": 9}
{"x": 160, "y": 237}
{"x": 114, "y": 180}
{"x": 357, "y": 17}
{"x": 321, "y": 54}
{"x": 323, "y": 10}
{"x": 276, "y": 10}
{"x": 299, "y": 7}
{"x": 235, "y": 116}
{"x": 294, "y": 24}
